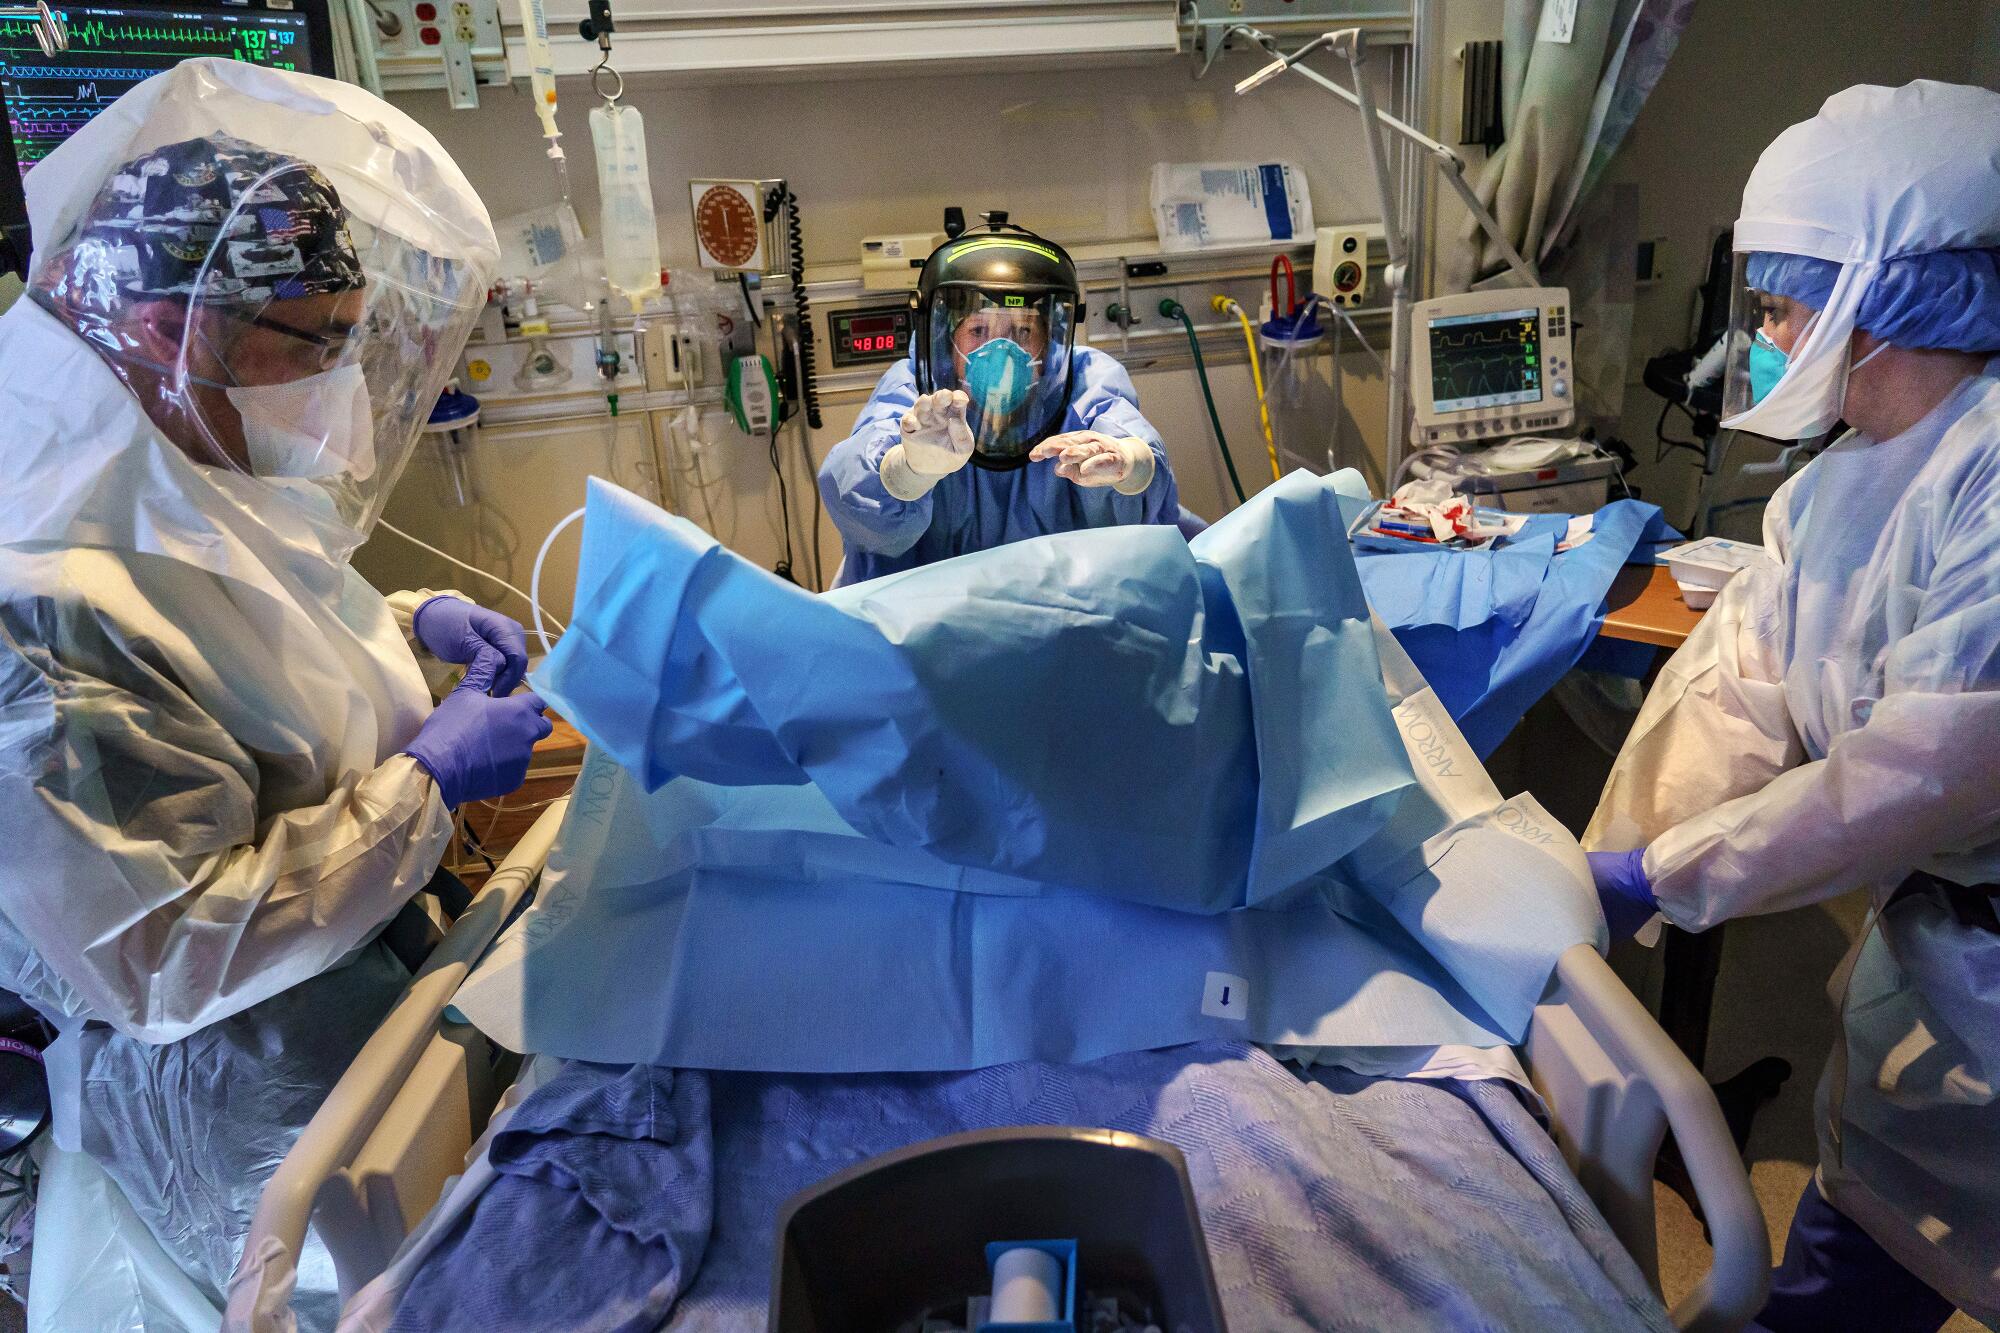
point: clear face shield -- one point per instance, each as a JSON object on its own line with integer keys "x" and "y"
{"x": 1010, "y": 353}
{"x": 326, "y": 392}
{"x": 265, "y": 330}
{"x": 1765, "y": 331}
{"x": 1789, "y": 359}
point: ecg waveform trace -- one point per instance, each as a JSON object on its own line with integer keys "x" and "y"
{"x": 1485, "y": 363}
{"x": 111, "y": 49}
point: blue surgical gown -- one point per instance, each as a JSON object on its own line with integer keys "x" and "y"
{"x": 974, "y": 508}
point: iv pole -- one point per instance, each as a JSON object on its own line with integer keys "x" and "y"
{"x": 51, "y": 33}
{"x": 1351, "y": 43}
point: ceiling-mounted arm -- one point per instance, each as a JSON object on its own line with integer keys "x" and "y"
{"x": 1351, "y": 43}
{"x": 51, "y": 33}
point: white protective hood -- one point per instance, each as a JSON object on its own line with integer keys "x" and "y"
{"x": 1878, "y": 174}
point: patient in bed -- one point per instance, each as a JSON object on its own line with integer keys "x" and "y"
{"x": 1090, "y": 830}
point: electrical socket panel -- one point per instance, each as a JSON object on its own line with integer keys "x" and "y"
{"x": 450, "y": 44}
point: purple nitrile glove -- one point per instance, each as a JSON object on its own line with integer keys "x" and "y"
{"x": 457, "y": 631}
{"x": 477, "y": 747}
{"x": 1623, "y": 890}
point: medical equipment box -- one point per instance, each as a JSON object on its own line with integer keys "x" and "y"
{"x": 1712, "y": 561}
{"x": 1574, "y": 486}
{"x": 1702, "y": 567}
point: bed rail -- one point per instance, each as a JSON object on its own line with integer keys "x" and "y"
{"x": 1615, "y": 1084}
{"x": 317, "y": 1172}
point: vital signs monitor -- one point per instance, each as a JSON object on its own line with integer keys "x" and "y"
{"x": 1484, "y": 365}
{"x": 113, "y": 46}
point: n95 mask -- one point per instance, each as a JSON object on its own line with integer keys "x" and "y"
{"x": 319, "y": 426}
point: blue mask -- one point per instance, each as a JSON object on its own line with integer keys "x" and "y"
{"x": 998, "y": 375}
{"x": 1767, "y": 363}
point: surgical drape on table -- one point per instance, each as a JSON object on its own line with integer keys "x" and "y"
{"x": 1094, "y": 792}
{"x": 1494, "y": 629}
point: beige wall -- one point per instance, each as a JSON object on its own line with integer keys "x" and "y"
{"x": 1745, "y": 70}
{"x": 1986, "y": 46}
{"x": 1067, "y": 153}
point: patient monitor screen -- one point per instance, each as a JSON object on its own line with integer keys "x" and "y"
{"x": 1490, "y": 360}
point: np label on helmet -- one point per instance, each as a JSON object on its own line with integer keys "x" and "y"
{"x": 1014, "y": 300}
{"x": 1225, "y": 996}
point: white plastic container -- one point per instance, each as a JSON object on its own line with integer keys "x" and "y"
{"x": 1697, "y": 598}
{"x": 630, "y": 232}
{"x": 1711, "y": 562}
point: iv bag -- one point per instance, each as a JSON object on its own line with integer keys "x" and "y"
{"x": 541, "y": 66}
{"x": 629, "y": 234}
{"x": 547, "y": 246}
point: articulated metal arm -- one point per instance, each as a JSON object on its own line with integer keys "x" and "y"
{"x": 1351, "y": 42}
{"x": 50, "y": 31}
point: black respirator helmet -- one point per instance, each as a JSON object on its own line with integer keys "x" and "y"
{"x": 997, "y": 309}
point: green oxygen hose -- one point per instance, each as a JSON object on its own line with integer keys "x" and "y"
{"x": 1173, "y": 309}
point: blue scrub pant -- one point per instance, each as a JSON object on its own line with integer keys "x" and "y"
{"x": 1835, "y": 1277}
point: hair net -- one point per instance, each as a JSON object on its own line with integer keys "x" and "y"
{"x": 1946, "y": 299}
{"x": 282, "y": 269}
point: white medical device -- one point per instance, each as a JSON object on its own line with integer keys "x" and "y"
{"x": 1484, "y": 365}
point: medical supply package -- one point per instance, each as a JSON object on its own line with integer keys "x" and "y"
{"x": 1198, "y": 205}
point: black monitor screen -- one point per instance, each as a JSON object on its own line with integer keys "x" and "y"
{"x": 112, "y": 47}
{"x": 1486, "y": 360}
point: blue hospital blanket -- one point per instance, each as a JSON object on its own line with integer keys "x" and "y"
{"x": 1492, "y": 630}
{"x": 1332, "y": 1203}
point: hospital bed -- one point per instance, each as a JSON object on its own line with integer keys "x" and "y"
{"x": 403, "y": 1119}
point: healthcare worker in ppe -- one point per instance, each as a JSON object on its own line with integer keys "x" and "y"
{"x": 220, "y": 771}
{"x": 998, "y": 427}
{"x": 1832, "y": 724}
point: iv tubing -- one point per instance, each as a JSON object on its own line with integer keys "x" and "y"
{"x": 387, "y": 526}
{"x": 535, "y": 581}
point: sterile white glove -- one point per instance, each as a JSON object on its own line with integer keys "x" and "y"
{"x": 1090, "y": 458}
{"x": 936, "y": 443}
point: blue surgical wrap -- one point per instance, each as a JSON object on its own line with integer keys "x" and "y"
{"x": 1946, "y": 299}
{"x": 1492, "y": 630}
{"x": 1074, "y": 712}
{"x": 1099, "y": 792}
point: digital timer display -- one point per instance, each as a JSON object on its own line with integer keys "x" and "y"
{"x": 865, "y": 337}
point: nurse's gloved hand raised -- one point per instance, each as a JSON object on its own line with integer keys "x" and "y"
{"x": 1090, "y": 458}
{"x": 1623, "y": 890}
{"x": 474, "y": 746}
{"x": 936, "y": 442}
{"x": 457, "y": 631}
